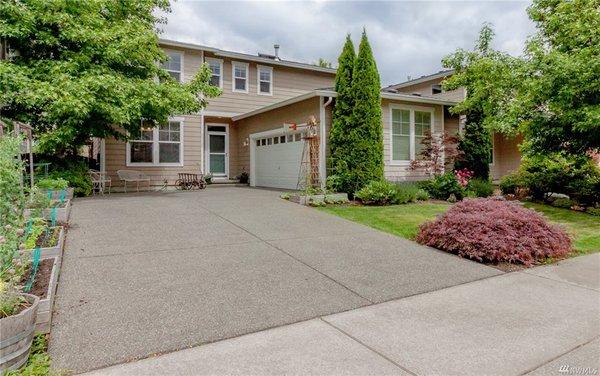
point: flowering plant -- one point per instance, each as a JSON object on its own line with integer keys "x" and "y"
{"x": 463, "y": 176}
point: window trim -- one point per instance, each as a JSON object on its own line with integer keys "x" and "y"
{"x": 411, "y": 142}
{"x": 156, "y": 148}
{"x": 181, "y": 59}
{"x": 258, "y": 81}
{"x": 220, "y": 61}
{"x": 246, "y": 66}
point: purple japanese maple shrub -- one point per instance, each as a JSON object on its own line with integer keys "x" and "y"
{"x": 494, "y": 230}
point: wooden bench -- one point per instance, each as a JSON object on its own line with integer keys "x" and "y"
{"x": 133, "y": 176}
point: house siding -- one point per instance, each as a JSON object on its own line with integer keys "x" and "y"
{"x": 507, "y": 156}
{"x": 193, "y": 139}
{"x": 298, "y": 112}
{"x": 287, "y": 82}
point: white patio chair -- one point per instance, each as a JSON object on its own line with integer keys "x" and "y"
{"x": 133, "y": 176}
{"x": 100, "y": 180}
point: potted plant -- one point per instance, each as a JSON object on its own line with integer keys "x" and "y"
{"x": 56, "y": 189}
{"x": 18, "y": 313}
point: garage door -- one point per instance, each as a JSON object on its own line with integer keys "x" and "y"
{"x": 277, "y": 161}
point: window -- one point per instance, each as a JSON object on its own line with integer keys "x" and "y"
{"x": 264, "y": 76}
{"x": 160, "y": 145}
{"x": 409, "y": 127}
{"x": 422, "y": 126}
{"x": 173, "y": 65}
{"x": 436, "y": 89}
{"x": 216, "y": 67}
{"x": 400, "y": 135}
{"x": 240, "y": 77}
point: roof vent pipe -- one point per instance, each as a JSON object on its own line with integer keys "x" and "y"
{"x": 276, "y": 47}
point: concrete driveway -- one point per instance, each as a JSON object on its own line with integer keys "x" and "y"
{"x": 145, "y": 274}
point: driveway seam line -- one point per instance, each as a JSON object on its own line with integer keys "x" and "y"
{"x": 561, "y": 281}
{"x": 559, "y": 356}
{"x": 292, "y": 257}
{"x": 368, "y": 347}
{"x": 167, "y": 250}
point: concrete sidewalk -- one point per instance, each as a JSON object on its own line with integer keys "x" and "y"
{"x": 544, "y": 321}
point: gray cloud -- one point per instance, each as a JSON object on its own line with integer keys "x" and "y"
{"x": 408, "y": 38}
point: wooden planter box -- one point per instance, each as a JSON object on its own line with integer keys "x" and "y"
{"x": 44, "y": 312}
{"x": 62, "y": 212}
{"x": 56, "y": 193}
{"x": 319, "y": 199}
{"x": 56, "y": 251}
{"x": 16, "y": 336}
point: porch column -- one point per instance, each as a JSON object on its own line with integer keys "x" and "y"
{"x": 322, "y": 142}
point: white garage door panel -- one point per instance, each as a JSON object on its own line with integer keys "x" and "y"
{"x": 278, "y": 165}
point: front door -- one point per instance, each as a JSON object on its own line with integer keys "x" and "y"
{"x": 217, "y": 156}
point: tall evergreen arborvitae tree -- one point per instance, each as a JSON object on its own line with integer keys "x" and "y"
{"x": 366, "y": 154}
{"x": 475, "y": 147}
{"x": 342, "y": 115}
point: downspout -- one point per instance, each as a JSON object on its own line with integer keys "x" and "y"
{"x": 323, "y": 138}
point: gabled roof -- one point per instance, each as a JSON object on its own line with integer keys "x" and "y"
{"x": 440, "y": 74}
{"x": 329, "y": 92}
{"x": 242, "y": 56}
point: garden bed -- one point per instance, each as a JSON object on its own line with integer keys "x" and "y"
{"x": 319, "y": 199}
{"x": 61, "y": 209}
{"x": 44, "y": 287}
{"x": 51, "y": 245}
{"x": 60, "y": 194}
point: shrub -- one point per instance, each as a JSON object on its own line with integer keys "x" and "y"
{"x": 77, "y": 177}
{"x": 593, "y": 211}
{"x": 407, "y": 192}
{"x": 12, "y": 204}
{"x": 481, "y": 187}
{"x": 562, "y": 202}
{"x": 378, "y": 192}
{"x": 441, "y": 187}
{"x": 422, "y": 195}
{"x": 334, "y": 183}
{"x": 577, "y": 177}
{"x": 492, "y": 230}
{"x": 56, "y": 184}
{"x": 509, "y": 184}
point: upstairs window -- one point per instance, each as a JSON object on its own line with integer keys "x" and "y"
{"x": 173, "y": 65}
{"x": 265, "y": 80}
{"x": 240, "y": 77}
{"x": 436, "y": 89}
{"x": 216, "y": 67}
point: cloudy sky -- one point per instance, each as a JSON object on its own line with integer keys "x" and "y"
{"x": 408, "y": 38}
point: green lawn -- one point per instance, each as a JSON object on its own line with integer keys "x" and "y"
{"x": 404, "y": 220}
{"x": 401, "y": 220}
{"x": 584, "y": 228}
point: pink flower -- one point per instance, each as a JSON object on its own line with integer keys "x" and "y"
{"x": 463, "y": 176}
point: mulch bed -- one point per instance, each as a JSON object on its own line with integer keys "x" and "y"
{"x": 42, "y": 278}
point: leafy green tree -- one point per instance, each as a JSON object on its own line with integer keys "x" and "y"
{"x": 366, "y": 132}
{"x": 550, "y": 94}
{"x": 486, "y": 75}
{"x": 89, "y": 68}
{"x": 339, "y": 142}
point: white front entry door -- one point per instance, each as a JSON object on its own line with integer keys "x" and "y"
{"x": 217, "y": 146}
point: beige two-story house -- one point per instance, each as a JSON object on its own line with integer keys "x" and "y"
{"x": 243, "y": 130}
